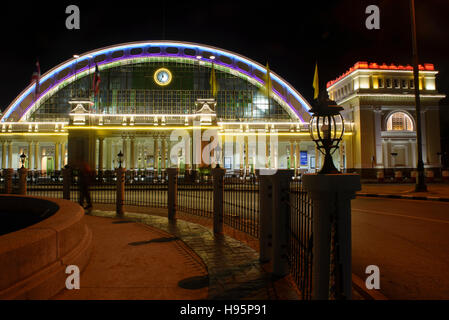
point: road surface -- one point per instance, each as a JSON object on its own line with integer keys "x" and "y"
{"x": 408, "y": 240}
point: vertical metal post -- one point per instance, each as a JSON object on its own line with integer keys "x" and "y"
{"x": 218, "y": 174}
{"x": 265, "y": 217}
{"x": 172, "y": 192}
{"x": 23, "y": 181}
{"x": 280, "y": 208}
{"x": 66, "y": 182}
{"x": 420, "y": 179}
{"x": 120, "y": 172}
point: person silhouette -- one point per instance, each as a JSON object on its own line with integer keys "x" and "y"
{"x": 85, "y": 180}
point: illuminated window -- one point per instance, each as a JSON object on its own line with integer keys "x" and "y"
{"x": 396, "y": 83}
{"x": 380, "y": 82}
{"x": 404, "y": 84}
{"x": 399, "y": 121}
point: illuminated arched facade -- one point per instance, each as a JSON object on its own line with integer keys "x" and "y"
{"x": 149, "y": 89}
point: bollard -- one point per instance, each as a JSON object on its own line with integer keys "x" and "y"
{"x": 331, "y": 195}
{"x": 120, "y": 173}
{"x": 265, "y": 217}
{"x": 218, "y": 182}
{"x": 380, "y": 176}
{"x": 23, "y": 172}
{"x": 172, "y": 192}
{"x": 66, "y": 182}
{"x": 445, "y": 175}
{"x": 8, "y": 173}
{"x": 398, "y": 176}
{"x": 413, "y": 175}
{"x": 430, "y": 175}
{"x": 280, "y": 208}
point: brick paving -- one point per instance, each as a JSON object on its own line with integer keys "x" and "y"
{"x": 233, "y": 267}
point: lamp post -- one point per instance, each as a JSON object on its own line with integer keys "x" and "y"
{"x": 22, "y": 159}
{"x": 420, "y": 179}
{"x": 326, "y": 129}
{"x": 120, "y": 158}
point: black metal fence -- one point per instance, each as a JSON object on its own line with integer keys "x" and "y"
{"x": 195, "y": 196}
{"x": 300, "y": 238}
{"x": 44, "y": 184}
{"x": 241, "y": 204}
{"x": 144, "y": 188}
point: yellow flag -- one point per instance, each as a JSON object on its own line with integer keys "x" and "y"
{"x": 267, "y": 89}
{"x": 316, "y": 83}
{"x": 213, "y": 82}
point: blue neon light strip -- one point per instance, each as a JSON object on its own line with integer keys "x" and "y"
{"x": 141, "y": 45}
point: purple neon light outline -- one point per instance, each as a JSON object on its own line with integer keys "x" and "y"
{"x": 144, "y": 45}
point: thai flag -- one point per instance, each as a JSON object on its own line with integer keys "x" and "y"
{"x": 35, "y": 78}
{"x": 96, "y": 82}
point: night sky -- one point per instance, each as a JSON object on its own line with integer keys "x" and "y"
{"x": 291, "y": 38}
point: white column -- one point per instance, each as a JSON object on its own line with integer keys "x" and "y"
{"x": 155, "y": 153}
{"x": 297, "y": 157}
{"x": 108, "y": 154}
{"x": 415, "y": 162}
{"x": 4, "y": 155}
{"x": 30, "y": 155}
{"x": 385, "y": 153}
{"x": 57, "y": 166}
{"x": 125, "y": 153}
{"x": 164, "y": 151}
{"x": 424, "y": 138}
{"x": 132, "y": 159}
{"x": 63, "y": 152}
{"x": 36, "y": 156}
{"x": 10, "y": 154}
{"x": 377, "y": 137}
{"x": 100, "y": 153}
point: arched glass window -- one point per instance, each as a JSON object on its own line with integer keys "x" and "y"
{"x": 399, "y": 121}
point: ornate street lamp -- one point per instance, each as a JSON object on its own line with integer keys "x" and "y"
{"x": 326, "y": 128}
{"x": 120, "y": 159}
{"x": 22, "y": 159}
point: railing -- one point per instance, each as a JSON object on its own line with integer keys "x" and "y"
{"x": 241, "y": 204}
{"x": 300, "y": 238}
{"x": 144, "y": 188}
{"x": 286, "y": 213}
{"x": 45, "y": 184}
{"x": 195, "y": 196}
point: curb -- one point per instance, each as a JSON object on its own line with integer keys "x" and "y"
{"x": 396, "y": 196}
{"x": 359, "y": 286}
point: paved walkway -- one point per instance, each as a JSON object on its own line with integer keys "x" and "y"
{"x": 436, "y": 191}
{"x": 136, "y": 261}
{"x": 223, "y": 268}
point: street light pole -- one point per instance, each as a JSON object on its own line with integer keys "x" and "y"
{"x": 420, "y": 179}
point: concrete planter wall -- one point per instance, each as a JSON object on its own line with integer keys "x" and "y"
{"x": 33, "y": 260}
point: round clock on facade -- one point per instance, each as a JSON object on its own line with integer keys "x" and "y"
{"x": 162, "y": 76}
